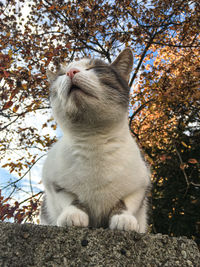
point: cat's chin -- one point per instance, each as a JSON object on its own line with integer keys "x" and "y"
{"x": 74, "y": 89}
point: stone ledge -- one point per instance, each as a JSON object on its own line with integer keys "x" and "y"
{"x": 29, "y": 245}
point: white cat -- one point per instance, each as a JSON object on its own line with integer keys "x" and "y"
{"x": 94, "y": 175}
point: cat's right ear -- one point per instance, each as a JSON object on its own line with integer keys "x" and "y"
{"x": 51, "y": 76}
{"x": 124, "y": 63}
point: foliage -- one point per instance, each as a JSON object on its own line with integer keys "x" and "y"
{"x": 164, "y": 104}
{"x": 18, "y": 213}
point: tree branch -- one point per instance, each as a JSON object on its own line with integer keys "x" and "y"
{"x": 142, "y": 58}
{"x": 13, "y": 183}
{"x": 183, "y": 170}
{"x": 135, "y": 113}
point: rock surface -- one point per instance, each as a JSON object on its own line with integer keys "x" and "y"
{"x": 30, "y": 245}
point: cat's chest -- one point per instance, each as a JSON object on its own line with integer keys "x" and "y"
{"x": 92, "y": 178}
{"x": 92, "y": 170}
{"x": 86, "y": 167}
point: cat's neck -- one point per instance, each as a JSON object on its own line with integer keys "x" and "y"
{"x": 97, "y": 134}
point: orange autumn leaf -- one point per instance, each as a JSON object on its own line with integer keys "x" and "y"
{"x": 15, "y": 108}
{"x": 193, "y": 161}
{"x": 7, "y": 105}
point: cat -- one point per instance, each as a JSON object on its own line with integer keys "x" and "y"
{"x": 94, "y": 176}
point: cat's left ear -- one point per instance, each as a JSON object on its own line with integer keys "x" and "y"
{"x": 124, "y": 63}
{"x": 51, "y": 76}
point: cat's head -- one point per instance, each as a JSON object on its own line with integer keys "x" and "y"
{"x": 91, "y": 91}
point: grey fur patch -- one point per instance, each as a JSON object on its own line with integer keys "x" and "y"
{"x": 147, "y": 200}
{"x": 44, "y": 216}
{"x": 94, "y": 222}
{"x": 102, "y": 220}
{"x": 113, "y": 81}
{"x": 57, "y": 188}
{"x": 80, "y": 205}
{"x": 97, "y": 62}
{"x": 117, "y": 209}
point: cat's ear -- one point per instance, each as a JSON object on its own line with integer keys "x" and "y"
{"x": 124, "y": 63}
{"x": 51, "y": 76}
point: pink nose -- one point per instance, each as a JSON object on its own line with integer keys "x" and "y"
{"x": 72, "y": 72}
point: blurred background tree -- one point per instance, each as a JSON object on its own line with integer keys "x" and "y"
{"x": 164, "y": 101}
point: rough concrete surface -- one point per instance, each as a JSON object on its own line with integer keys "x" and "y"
{"x": 28, "y": 245}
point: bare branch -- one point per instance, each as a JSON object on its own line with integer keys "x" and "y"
{"x": 183, "y": 170}
{"x": 13, "y": 183}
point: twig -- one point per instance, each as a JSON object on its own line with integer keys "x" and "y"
{"x": 13, "y": 183}
{"x": 135, "y": 113}
{"x": 195, "y": 184}
{"x": 174, "y": 45}
{"x": 41, "y": 192}
{"x": 141, "y": 60}
{"x": 183, "y": 170}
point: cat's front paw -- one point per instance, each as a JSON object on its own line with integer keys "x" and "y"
{"x": 73, "y": 217}
{"x": 125, "y": 222}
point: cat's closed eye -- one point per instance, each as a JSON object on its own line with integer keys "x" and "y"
{"x": 61, "y": 74}
{"x": 95, "y": 67}
{"x": 89, "y": 68}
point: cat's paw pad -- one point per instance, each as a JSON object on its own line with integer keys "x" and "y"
{"x": 73, "y": 218}
{"x": 124, "y": 222}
